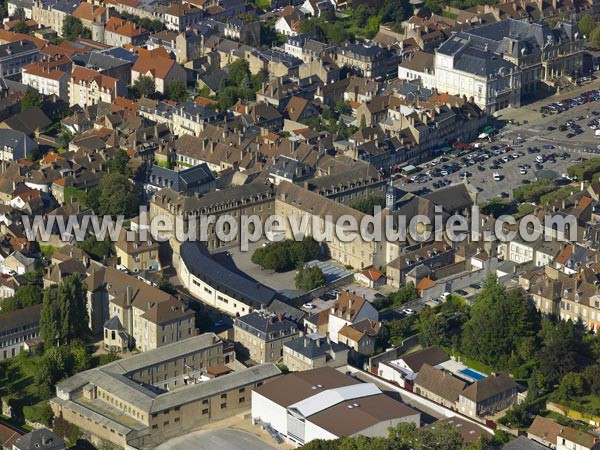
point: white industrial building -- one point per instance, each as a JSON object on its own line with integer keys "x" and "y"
{"x": 308, "y": 405}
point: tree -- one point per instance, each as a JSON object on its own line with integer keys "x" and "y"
{"x": 81, "y": 357}
{"x": 167, "y": 286}
{"x": 20, "y": 27}
{"x": 499, "y": 320}
{"x": 73, "y": 315}
{"x": 572, "y": 385}
{"x": 432, "y": 328}
{"x": 434, "y": 6}
{"x": 25, "y": 296}
{"x": 64, "y": 316}
{"x": 144, "y": 86}
{"x": 309, "y": 278}
{"x": 98, "y": 250}
{"x": 368, "y": 205}
{"x": 557, "y": 355}
{"x": 72, "y": 28}
{"x": 285, "y": 255}
{"x": 30, "y": 99}
{"x": 237, "y": 71}
{"x": 120, "y": 163}
{"x": 586, "y": 25}
{"x": 595, "y": 37}
{"x": 49, "y": 319}
{"x": 177, "y": 91}
{"x": 115, "y": 195}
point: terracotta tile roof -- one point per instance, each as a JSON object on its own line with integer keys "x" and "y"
{"x": 50, "y": 158}
{"x": 11, "y": 23}
{"x": 350, "y": 333}
{"x": 81, "y": 74}
{"x": 204, "y": 101}
{"x": 45, "y": 69}
{"x": 86, "y": 11}
{"x": 181, "y": 9}
{"x": 348, "y": 306}
{"x": 564, "y": 256}
{"x": 158, "y": 67}
{"x": 54, "y": 50}
{"x": 157, "y": 52}
{"x": 123, "y": 27}
{"x": 424, "y": 284}
{"x": 8, "y": 36}
{"x": 373, "y": 274}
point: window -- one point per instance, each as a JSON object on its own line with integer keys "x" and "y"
{"x": 242, "y": 399}
{"x": 242, "y": 390}
{"x": 205, "y": 411}
{"x": 205, "y": 402}
{"x": 223, "y": 396}
{"x": 223, "y": 405}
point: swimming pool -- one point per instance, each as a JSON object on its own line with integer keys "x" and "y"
{"x": 473, "y": 374}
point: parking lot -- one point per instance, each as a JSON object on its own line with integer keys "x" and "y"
{"x": 514, "y": 164}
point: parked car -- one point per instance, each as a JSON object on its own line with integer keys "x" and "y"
{"x": 408, "y": 311}
{"x": 308, "y": 306}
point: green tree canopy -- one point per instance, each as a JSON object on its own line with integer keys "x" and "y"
{"x": 115, "y": 195}
{"x": 367, "y": 205}
{"x": 25, "y": 296}
{"x": 30, "y": 99}
{"x": 309, "y": 278}
{"x": 144, "y": 86}
{"x": 177, "y": 91}
{"x": 64, "y": 316}
{"x": 586, "y": 25}
{"x": 432, "y": 327}
{"x": 500, "y": 319}
{"x": 72, "y": 28}
{"x": 286, "y": 255}
{"x": 595, "y": 37}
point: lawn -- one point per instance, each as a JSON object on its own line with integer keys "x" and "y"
{"x": 48, "y": 250}
{"x": 17, "y": 381}
{"x": 263, "y": 4}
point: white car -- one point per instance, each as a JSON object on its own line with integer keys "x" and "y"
{"x": 408, "y": 311}
{"x": 523, "y": 172}
{"x": 308, "y": 306}
{"x": 121, "y": 267}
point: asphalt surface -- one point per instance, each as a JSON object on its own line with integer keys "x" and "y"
{"x": 520, "y": 138}
{"x": 216, "y": 439}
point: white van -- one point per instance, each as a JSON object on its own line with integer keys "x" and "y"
{"x": 497, "y": 176}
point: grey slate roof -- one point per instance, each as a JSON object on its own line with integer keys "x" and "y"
{"x": 14, "y": 48}
{"x": 42, "y": 439}
{"x": 204, "y": 267}
{"x": 522, "y": 443}
{"x": 313, "y": 346}
{"x": 451, "y": 198}
{"x": 266, "y": 326}
{"x": 181, "y": 181}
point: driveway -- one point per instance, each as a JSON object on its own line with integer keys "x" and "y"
{"x": 216, "y": 439}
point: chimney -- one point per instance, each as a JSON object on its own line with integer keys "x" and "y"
{"x": 306, "y": 341}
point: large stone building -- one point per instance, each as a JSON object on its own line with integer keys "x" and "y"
{"x": 143, "y": 400}
{"x": 262, "y": 335}
{"x": 217, "y": 286}
{"x": 15, "y": 55}
{"x": 88, "y": 87}
{"x": 499, "y": 63}
{"x": 131, "y": 313}
{"x": 16, "y": 328}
